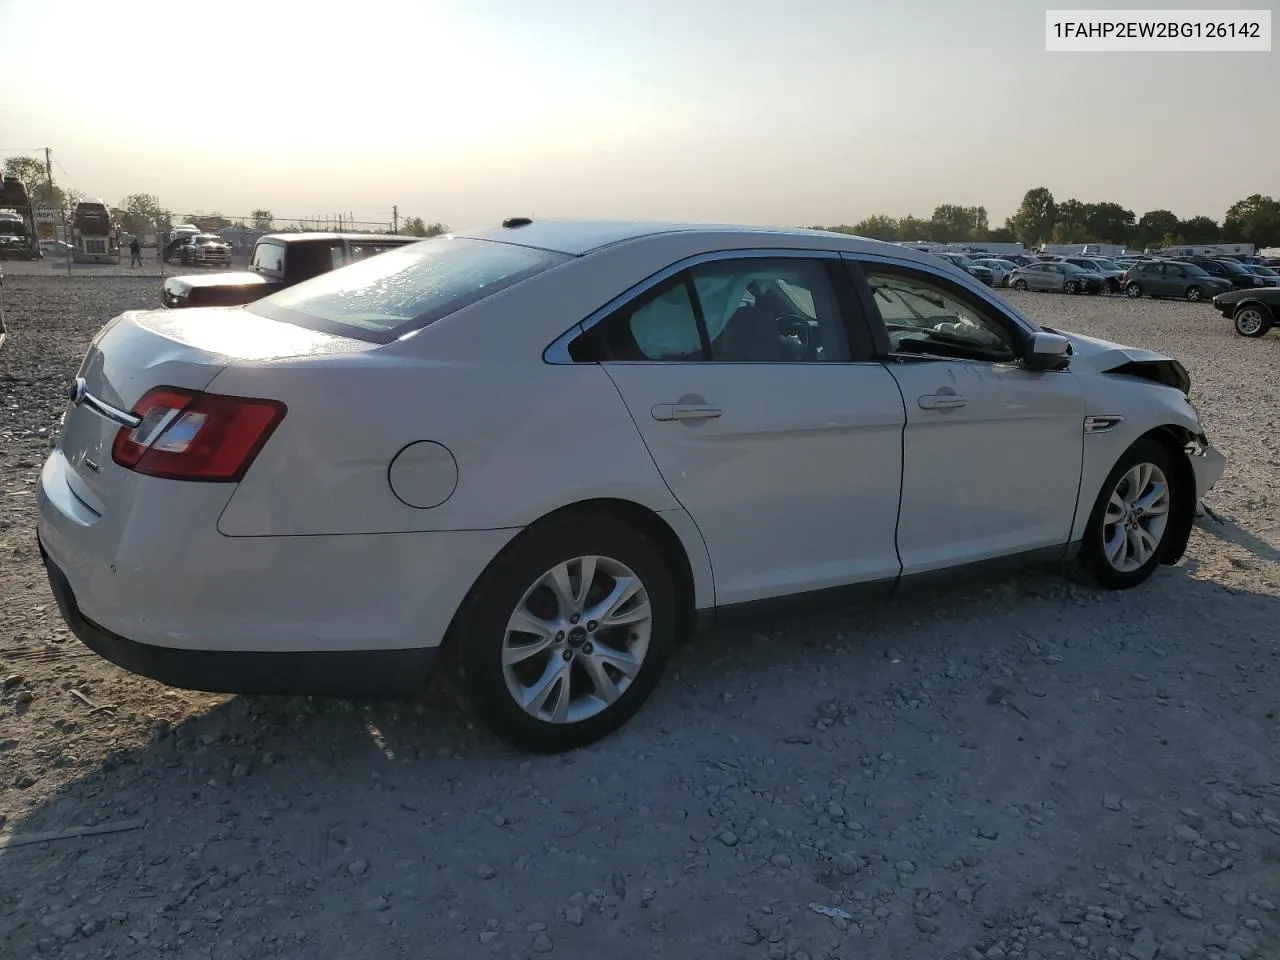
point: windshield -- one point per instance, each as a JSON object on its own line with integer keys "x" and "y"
{"x": 382, "y": 298}
{"x": 1107, "y": 264}
{"x": 12, "y": 228}
{"x": 1232, "y": 267}
{"x": 1194, "y": 271}
{"x": 1264, "y": 271}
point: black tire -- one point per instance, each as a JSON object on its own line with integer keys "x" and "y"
{"x": 482, "y": 627}
{"x": 1072, "y": 287}
{"x": 1020, "y": 284}
{"x": 1194, "y": 294}
{"x": 1251, "y": 320}
{"x": 1093, "y": 555}
{"x": 1133, "y": 290}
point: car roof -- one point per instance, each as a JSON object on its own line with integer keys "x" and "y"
{"x": 578, "y": 237}
{"x": 322, "y": 235}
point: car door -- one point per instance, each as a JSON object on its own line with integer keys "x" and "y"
{"x": 766, "y": 415}
{"x": 1055, "y": 277}
{"x": 1173, "y": 280}
{"x": 992, "y": 452}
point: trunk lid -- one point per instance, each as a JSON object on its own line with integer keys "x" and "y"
{"x": 139, "y": 350}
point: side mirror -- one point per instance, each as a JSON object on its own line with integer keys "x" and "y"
{"x": 1047, "y": 351}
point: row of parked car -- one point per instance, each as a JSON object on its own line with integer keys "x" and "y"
{"x": 1245, "y": 289}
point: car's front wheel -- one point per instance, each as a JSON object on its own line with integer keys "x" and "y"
{"x": 566, "y": 634}
{"x": 1072, "y": 287}
{"x": 1019, "y": 284}
{"x": 1133, "y": 290}
{"x": 1251, "y": 321}
{"x": 1195, "y": 294}
{"x": 1135, "y": 513}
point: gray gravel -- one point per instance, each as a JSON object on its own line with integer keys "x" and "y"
{"x": 1021, "y": 769}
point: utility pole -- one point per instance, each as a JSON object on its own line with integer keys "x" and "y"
{"x": 395, "y": 219}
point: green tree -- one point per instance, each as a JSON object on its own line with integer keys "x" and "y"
{"x": 1155, "y": 226}
{"x": 1256, "y": 219}
{"x": 1035, "y": 218}
{"x": 1108, "y": 222}
{"x": 32, "y": 174}
{"x": 951, "y": 222}
{"x": 207, "y": 223}
{"x": 1001, "y": 235}
{"x": 262, "y": 220}
{"x": 141, "y": 213}
{"x": 417, "y": 227}
{"x": 877, "y": 227}
{"x": 913, "y": 228}
{"x": 1200, "y": 230}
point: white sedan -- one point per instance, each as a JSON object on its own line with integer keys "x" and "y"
{"x": 554, "y": 448}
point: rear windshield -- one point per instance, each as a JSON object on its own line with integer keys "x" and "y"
{"x": 382, "y": 298}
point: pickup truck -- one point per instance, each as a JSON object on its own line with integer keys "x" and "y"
{"x": 279, "y": 260}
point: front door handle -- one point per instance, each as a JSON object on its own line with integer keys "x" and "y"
{"x": 685, "y": 411}
{"x": 943, "y": 401}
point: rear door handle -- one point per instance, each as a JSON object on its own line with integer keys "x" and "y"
{"x": 942, "y": 401}
{"x": 685, "y": 411}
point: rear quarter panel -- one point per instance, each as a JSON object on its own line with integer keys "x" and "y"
{"x": 526, "y": 438}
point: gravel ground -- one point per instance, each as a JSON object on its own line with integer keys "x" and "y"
{"x": 1021, "y": 769}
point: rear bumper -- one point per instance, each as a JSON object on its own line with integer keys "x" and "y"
{"x": 149, "y": 583}
{"x": 364, "y": 673}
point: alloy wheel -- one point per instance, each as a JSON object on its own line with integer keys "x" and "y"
{"x": 1136, "y": 517}
{"x": 577, "y": 639}
{"x": 1249, "y": 321}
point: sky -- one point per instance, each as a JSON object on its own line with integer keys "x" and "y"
{"x": 751, "y": 111}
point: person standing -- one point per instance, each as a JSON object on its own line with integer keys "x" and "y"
{"x": 135, "y": 253}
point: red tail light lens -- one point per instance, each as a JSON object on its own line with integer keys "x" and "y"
{"x": 188, "y": 435}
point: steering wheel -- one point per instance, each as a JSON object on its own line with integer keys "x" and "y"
{"x": 793, "y": 325}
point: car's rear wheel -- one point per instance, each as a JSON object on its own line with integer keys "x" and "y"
{"x": 1251, "y": 320}
{"x": 565, "y": 636}
{"x": 1019, "y": 284}
{"x": 1133, "y": 290}
{"x": 1136, "y": 510}
{"x": 1195, "y": 294}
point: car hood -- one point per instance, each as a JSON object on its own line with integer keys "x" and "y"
{"x": 239, "y": 279}
{"x": 1103, "y": 356}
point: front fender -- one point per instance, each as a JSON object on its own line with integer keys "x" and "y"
{"x": 1144, "y": 407}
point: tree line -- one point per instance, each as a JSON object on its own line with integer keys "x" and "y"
{"x": 1042, "y": 219}
{"x": 142, "y": 213}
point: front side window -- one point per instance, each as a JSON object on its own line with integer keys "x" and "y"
{"x": 384, "y": 297}
{"x": 926, "y": 316}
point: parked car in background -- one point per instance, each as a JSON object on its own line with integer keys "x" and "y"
{"x": 1111, "y": 275}
{"x": 1173, "y": 278}
{"x": 1057, "y": 277}
{"x": 1000, "y": 270}
{"x": 1229, "y": 270}
{"x": 968, "y": 265}
{"x": 309, "y": 493}
{"x": 1252, "y": 312}
{"x": 55, "y": 248}
{"x": 1270, "y": 277}
{"x": 279, "y": 260}
{"x": 205, "y": 249}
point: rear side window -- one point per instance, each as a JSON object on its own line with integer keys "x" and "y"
{"x": 381, "y": 298}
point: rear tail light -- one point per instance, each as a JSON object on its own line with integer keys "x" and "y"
{"x": 188, "y": 435}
